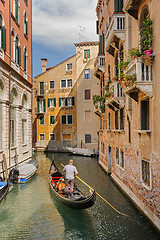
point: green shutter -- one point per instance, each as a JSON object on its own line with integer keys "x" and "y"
{"x": 66, "y": 102}
{"x": 54, "y": 102}
{"x": 59, "y": 102}
{"x": 24, "y": 61}
{"x": 44, "y": 105}
{"x": 100, "y": 45}
{"x": 27, "y": 28}
{"x": 116, "y": 5}
{"x": 3, "y": 40}
{"x": 19, "y": 55}
{"x": 120, "y": 5}
{"x": 16, "y": 15}
{"x": 72, "y": 101}
{"x": 48, "y": 102}
{"x": 38, "y": 105}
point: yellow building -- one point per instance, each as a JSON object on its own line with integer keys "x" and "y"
{"x": 65, "y": 111}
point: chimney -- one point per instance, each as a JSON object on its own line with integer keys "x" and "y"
{"x": 44, "y": 64}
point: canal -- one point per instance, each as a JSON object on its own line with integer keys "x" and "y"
{"x": 30, "y": 211}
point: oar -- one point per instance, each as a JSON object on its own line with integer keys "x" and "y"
{"x": 101, "y": 196}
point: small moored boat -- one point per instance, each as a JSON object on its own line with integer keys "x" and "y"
{"x": 57, "y": 184}
{"x": 4, "y": 187}
{"x": 81, "y": 151}
{"x": 24, "y": 172}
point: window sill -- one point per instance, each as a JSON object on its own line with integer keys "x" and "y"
{"x": 25, "y": 152}
{"x": 13, "y": 148}
{"x": 25, "y": 36}
{"x": 148, "y": 132}
{"x": 15, "y": 20}
{"x": 118, "y": 131}
{"x": 24, "y": 145}
{"x": 146, "y": 186}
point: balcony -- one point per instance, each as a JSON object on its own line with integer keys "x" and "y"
{"x": 40, "y": 93}
{"x": 144, "y": 80}
{"x": 39, "y": 112}
{"x": 115, "y": 33}
{"x": 99, "y": 109}
{"x": 99, "y": 66}
{"x": 131, "y": 7}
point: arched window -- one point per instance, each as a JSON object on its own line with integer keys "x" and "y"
{"x": 24, "y": 100}
{"x": 25, "y": 24}
{"x": 17, "y": 51}
{"x": 2, "y": 34}
{"x": 25, "y": 59}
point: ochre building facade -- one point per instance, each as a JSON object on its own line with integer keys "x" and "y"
{"x": 129, "y": 133}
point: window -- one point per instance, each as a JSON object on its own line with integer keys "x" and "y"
{"x": 12, "y": 126}
{"x": 146, "y": 172}
{"x": 116, "y": 119}
{"x": 87, "y": 94}
{"x": 68, "y": 101}
{"x": 88, "y": 116}
{"x": 51, "y": 84}
{"x": 25, "y": 24}
{"x": 41, "y": 136}
{"x": 52, "y": 120}
{"x": 87, "y": 138}
{"x": 41, "y": 120}
{"x": 66, "y": 119}
{"x": 87, "y": 74}
{"x": 51, "y": 102}
{"x": 66, "y": 83}
{"x": 52, "y": 136}
{"x": 69, "y": 66}
{"x": 41, "y": 105}
{"x": 145, "y": 115}
{"x": 102, "y": 147}
{"x": 86, "y": 54}
{"x": 121, "y": 119}
{"x": 26, "y": 1}
{"x": 41, "y": 87}
{"x": 25, "y": 59}
{"x": 118, "y": 5}
{"x": 69, "y": 83}
{"x": 24, "y": 129}
{"x": 17, "y": 51}
{"x": 63, "y": 83}
{"x": 117, "y": 156}
{"x": 17, "y": 10}
{"x": 2, "y": 35}
{"x": 122, "y": 158}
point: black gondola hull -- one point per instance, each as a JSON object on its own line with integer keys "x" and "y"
{"x": 4, "y": 191}
{"x": 81, "y": 202}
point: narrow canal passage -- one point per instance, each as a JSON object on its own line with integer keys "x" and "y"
{"x": 30, "y": 212}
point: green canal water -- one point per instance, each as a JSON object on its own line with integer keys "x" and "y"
{"x": 30, "y": 211}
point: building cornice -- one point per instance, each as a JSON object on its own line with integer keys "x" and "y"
{"x": 93, "y": 43}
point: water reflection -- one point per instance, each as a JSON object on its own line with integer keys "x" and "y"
{"x": 30, "y": 211}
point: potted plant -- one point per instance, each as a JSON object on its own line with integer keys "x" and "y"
{"x": 146, "y": 36}
{"x": 134, "y": 53}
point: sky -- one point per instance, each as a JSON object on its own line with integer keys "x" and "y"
{"x": 57, "y": 25}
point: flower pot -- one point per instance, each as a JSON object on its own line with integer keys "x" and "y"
{"x": 148, "y": 52}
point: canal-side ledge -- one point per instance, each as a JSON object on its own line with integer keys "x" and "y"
{"x": 139, "y": 204}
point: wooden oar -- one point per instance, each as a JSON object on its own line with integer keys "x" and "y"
{"x": 101, "y": 197}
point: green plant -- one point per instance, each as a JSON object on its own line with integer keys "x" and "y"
{"x": 134, "y": 52}
{"x": 96, "y": 99}
{"x": 146, "y": 35}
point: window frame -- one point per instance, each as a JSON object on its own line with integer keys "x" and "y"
{"x": 50, "y": 84}
{"x": 50, "y": 139}
{"x": 88, "y": 135}
{"x": 87, "y": 76}
{"x": 85, "y": 94}
{"x": 69, "y": 69}
{"x": 87, "y": 51}
{"x": 149, "y": 185}
{"x": 66, "y": 119}
{"x": 50, "y": 119}
{"x": 41, "y": 124}
{"x": 43, "y": 135}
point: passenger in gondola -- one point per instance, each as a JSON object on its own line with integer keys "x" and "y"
{"x": 71, "y": 171}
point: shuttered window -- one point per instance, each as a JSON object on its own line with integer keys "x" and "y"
{"x": 25, "y": 24}
{"x": 69, "y": 101}
{"x": 51, "y": 102}
{"x": 17, "y": 11}
{"x": 41, "y": 120}
{"x": 88, "y": 116}
{"x": 52, "y": 120}
{"x": 25, "y": 59}
{"x": 87, "y": 94}
{"x": 66, "y": 119}
{"x": 86, "y": 54}
{"x": 145, "y": 115}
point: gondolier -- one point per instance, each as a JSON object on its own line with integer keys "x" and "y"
{"x": 71, "y": 171}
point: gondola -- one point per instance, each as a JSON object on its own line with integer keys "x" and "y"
{"x": 78, "y": 200}
{"x": 4, "y": 187}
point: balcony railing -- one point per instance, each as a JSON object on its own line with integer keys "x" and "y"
{"x": 99, "y": 64}
{"x": 144, "y": 78}
{"x": 39, "y": 111}
{"x": 115, "y": 31}
{"x": 40, "y": 93}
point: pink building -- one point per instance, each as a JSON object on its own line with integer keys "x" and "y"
{"x": 15, "y": 81}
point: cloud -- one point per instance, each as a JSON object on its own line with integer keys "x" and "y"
{"x": 57, "y": 22}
